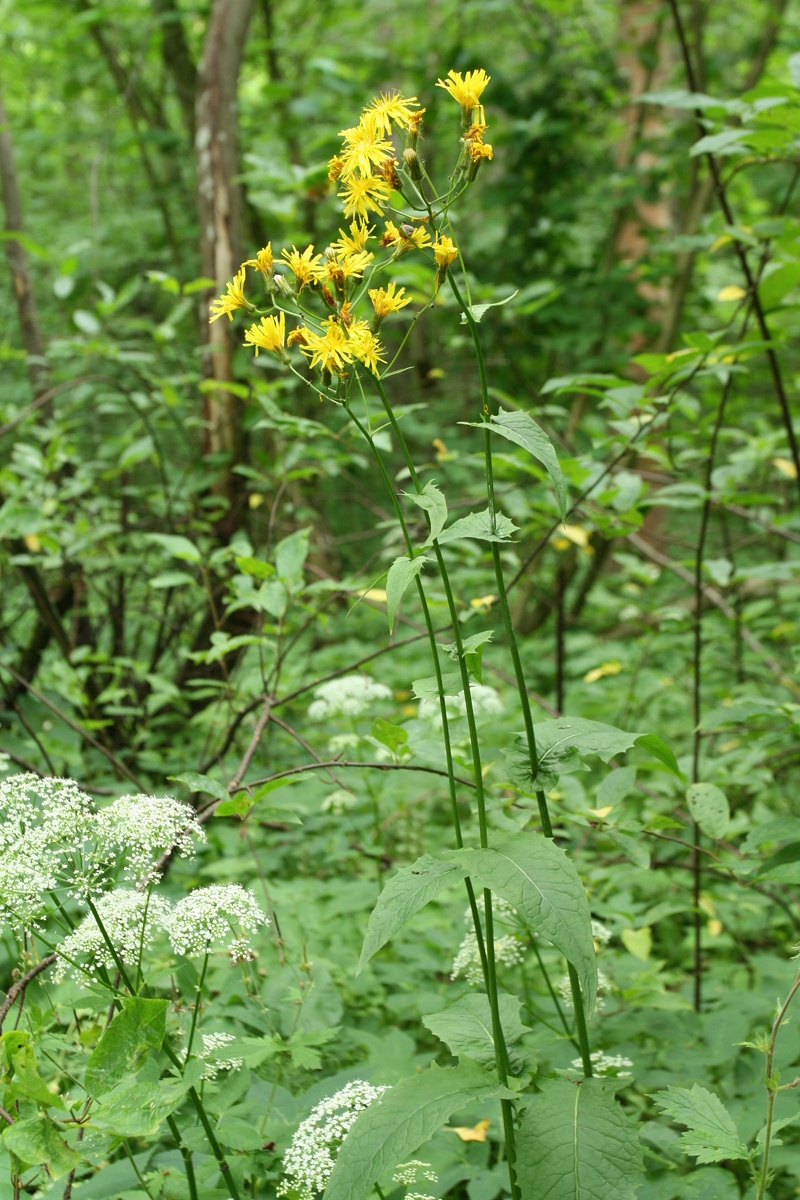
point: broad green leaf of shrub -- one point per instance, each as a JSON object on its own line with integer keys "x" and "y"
{"x": 535, "y": 875}
{"x": 20, "y": 1073}
{"x": 708, "y": 805}
{"x": 432, "y": 502}
{"x": 37, "y": 1140}
{"x": 711, "y": 1133}
{"x": 520, "y": 428}
{"x": 563, "y": 743}
{"x": 575, "y": 1142}
{"x": 290, "y": 555}
{"x": 472, "y": 651}
{"x": 466, "y": 1027}
{"x": 479, "y": 525}
{"x": 138, "y": 1028}
{"x": 136, "y": 1109}
{"x": 202, "y": 783}
{"x": 402, "y": 1120}
{"x": 402, "y": 572}
{"x": 405, "y": 894}
{"x": 177, "y": 546}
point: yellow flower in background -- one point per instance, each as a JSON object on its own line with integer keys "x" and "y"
{"x": 387, "y": 300}
{"x": 391, "y": 107}
{"x": 335, "y": 168}
{"x": 444, "y": 251}
{"x": 360, "y": 195}
{"x": 356, "y": 239}
{"x": 262, "y": 261}
{"x": 407, "y": 237}
{"x": 365, "y": 347}
{"x": 234, "y": 298}
{"x": 365, "y": 150}
{"x": 330, "y": 350}
{"x": 466, "y": 89}
{"x": 305, "y": 267}
{"x": 268, "y": 334}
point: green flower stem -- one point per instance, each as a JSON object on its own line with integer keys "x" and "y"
{"x": 773, "y": 1088}
{"x": 186, "y": 1155}
{"x": 501, "y": 1050}
{"x": 196, "y": 1009}
{"x": 216, "y": 1149}
{"x": 554, "y": 996}
{"x": 118, "y": 963}
{"x": 519, "y": 674}
{"x": 473, "y": 904}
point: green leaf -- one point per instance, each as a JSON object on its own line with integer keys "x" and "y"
{"x": 778, "y": 283}
{"x": 708, "y": 805}
{"x": 20, "y": 1071}
{"x": 472, "y": 648}
{"x": 402, "y": 1120}
{"x": 241, "y": 803}
{"x": 401, "y": 573}
{"x": 290, "y": 555}
{"x": 136, "y": 1109}
{"x": 37, "y": 1140}
{"x": 466, "y": 1027}
{"x": 431, "y": 500}
{"x": 405, "y": 894}
{"x": 479, "y": 525}
{"x": 255, "y": 567}
{"x": 535, "y": 875}
{"x": 727, "y": 142}
{"x": 202, "y": 783}
{"x": 134, "y": 1032}
{"x": 712, "y": 1135}
{"x": 562, "y": 745}
{"x": 575, "y": 1142}
{"x": 660, "y": 750}
{"x": 428, "y": 689}
{"x": 393, "y": 737}
{"x": 476, "y": 311}
{"x": 519, "y": 427}
{"x": 172, "y": 579}
{"x": 177, "y": 546}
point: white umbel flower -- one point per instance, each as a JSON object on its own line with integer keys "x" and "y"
{"x": 132, "y": 921}
{"x": 210, "y": 917}
{"x": 348, "y": 696}
{"x": 141, "y": 829}
{"x": 406, "y": 1173}
{"x": 508, "y": 948}
{"x": 308, "y": 1162}
{"x": 211, "y": 1044}
{"x": 486, "y": 702}
{"x": 604, "y": 1065}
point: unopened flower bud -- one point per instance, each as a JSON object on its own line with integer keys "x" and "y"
{"x": 283, "y": 286}
{"x": 411, "y": 159}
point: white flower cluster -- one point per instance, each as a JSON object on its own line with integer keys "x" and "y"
{"x": 5, "y": 762}
{"x": 486, "y": 702}
{"x": 308, "y": 1162}
{"x": 600, "y": 933}
{"x": 221, "y": 916}
{"x": 508, "y": 949}
{"x": 606, "y": 1064}
{"x": 407, "y": 1173}
{"x": 348, "y": 696}
{"x": 53, "y": 838}
{"x": 337, "y": 803}
{"x": 212, "y": 1043}
{"x": 564, "y": 988}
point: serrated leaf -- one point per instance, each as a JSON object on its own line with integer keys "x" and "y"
{"x": 479, "y": 525}
{"x": 136, "y": 1030}
{"x": 403, "y": 1119}
{"x": 472, "y": 650}
{"x": 405, "y": 894}
{"x": 520, "y": 428}
{"x": 402, "y": 572}
{"x": 563, "y": 743}
{"x": 535, "y": 875}
{"x": 466, "y": 1027}
{"x": 38, "y": 1141}
{"x": 202, "y": 783}
{"x": 432, "y": 502}
{"x": 428, "y": 689}
{"x": 708, "y": 805}
{"x": 575, "y": 1142}
{"x": 136, "y": 1109}
{"x": 476, "y": 311}
{"x": 712, "y": 1134}
{"x": 177, "y": 546}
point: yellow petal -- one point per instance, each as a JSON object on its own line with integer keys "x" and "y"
{"x": 733, "y": 292}
{"x": 475, "y": 1134}
{"x": 601, "y": 812}
{"x": 255, "y": 499}
{"x": 32, "y": 542}
{"x": 374, "y": 594}
{"x": 786, "y": 467}
{"x": 606, "y": 668}
{"x": 714, "y": 927}
{"x": 721, "y": 241}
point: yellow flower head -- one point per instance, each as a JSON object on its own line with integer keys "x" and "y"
{"x": 479, "y": 150}
{"x": 466, "y": 89}
{"x": 234, "y": 298}
{"x": 330, "y": 350}
{"x": 387, "y": 300}
{"x": 306, "y": 267}
{"x": 407, "y": 237}
{"x": 365, "y": 347}
{"x": 364, "y": 148}
{"x": 415, "y": 121}
{"x": 268, "y": 334}
{"x": 342, "y": 267}
{"x": 444, "y": 251}
{"x": 335, "y": 168}
{"x": 262, "y": 261}
{"x": 360, "y": 195}
{"x": 391, "y": 107}
{"x": 356, "y": 239}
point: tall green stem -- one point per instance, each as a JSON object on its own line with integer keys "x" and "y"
{"x": 503, "y": 1067}
{"x": 773, "y": 1088}
{"x": 519, "y": 674}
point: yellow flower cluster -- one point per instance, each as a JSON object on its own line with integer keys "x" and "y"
{"x": 340, "y": 276}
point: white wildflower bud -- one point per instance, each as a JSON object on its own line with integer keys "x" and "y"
{"x": 346, "y": 697}
{"x": 308, "y": 1162}
{"x": 132, "y": 921}
{"x": 139, "y": 829}
{"x": 224, "y": 915}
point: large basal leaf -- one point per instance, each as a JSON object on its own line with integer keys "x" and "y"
{"x": 479, "y": 525}
{"x": 711, "y": 1133}
{"x": 576, "y": 1143}
{"x": 466, "y": 1027}
{"x": 534, "y": 875}
{"x": 402, "y": 1120}
{"x": 402, "y": 572}
{"x": 562, "y": 744}
{"x": 405, "y": 894}
{"x": 137, "y": 1029}
{"x": 431, "y": 501}
{"x": 519, "y": 427}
